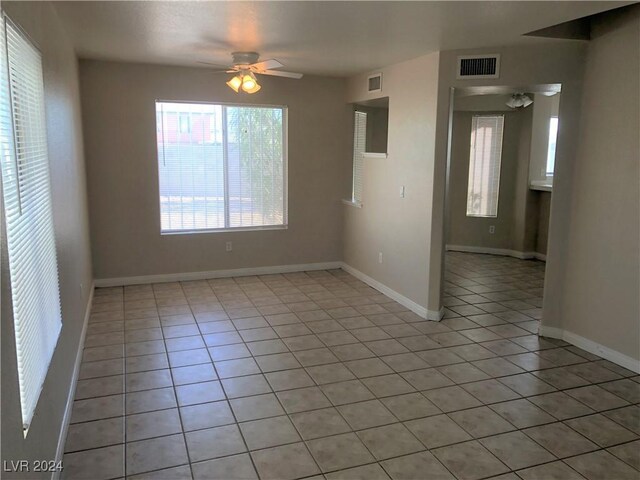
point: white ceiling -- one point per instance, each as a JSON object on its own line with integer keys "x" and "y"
{"x": 328, "y": 38}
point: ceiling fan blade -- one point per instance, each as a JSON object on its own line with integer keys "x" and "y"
{"x": 278, "y": 73}
{"x": 267, "y": 65}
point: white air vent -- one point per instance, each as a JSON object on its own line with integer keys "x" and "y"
{"x": 374, "y": 83}
{"x": 478, "y": 66}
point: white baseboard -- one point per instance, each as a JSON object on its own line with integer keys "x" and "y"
{"x": 497, "y": 251}
{"x": 238, "y": 272}
{"x": 398, "y": 297}
{"x": 72, "y": 387}
{"x": 592, "y": 347}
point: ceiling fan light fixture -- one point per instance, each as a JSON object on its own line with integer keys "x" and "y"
{"x": 235, "y": 83}
{"x": 249, "y": 83}
{"x": 519, "y": 100}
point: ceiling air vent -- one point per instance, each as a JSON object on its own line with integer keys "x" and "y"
{"x": 479, "y": 66}
{"x": 374, "y": 83}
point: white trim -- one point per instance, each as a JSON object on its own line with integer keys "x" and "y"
{"x": 591, "y": 347}
{"x": 238, "y": 272}
{"x": 352, "y": 203}
{"x": 497, "y": 251}
{"x": 374, "y": 155}
{"x": 398, "y": 297}
{"x": 72, "y": 387}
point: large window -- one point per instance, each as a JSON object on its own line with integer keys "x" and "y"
{"x": 227, "y": 170}
{"x": 26, "y": 195}
{"x": 359, "y": 146}
{"x": 484, "y": 165}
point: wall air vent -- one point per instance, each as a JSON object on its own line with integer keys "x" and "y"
{"x": 478, "y": 66}
{"x": 374, "y": 83}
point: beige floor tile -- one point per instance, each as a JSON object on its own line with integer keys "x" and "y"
{"x": 286, "y": 462}
{"x": 237, "y": 467}
{"x": 99, "y": 433}
{"x": 150, "y": 400}
{"x": 516, "y": 450}
{"x": 98, "y": 464}
{"x": 214, "y": 442}
{"x": 206, "y": 415}
{"x": 254, "y": 408}
{"x": 153, "y": 424}
{"x": 560, "y": 440}
{"x": 602, "y": 466}
{"x": 414, "y": 466}
{"x": 469, "y": 461}
{"x": 199, "y": 393}
{"x": 156, "y": 454}
{"x": 269, "y": 432}
{"x": 367, "y": 414}
{"x": 245, "y": 386}
{"x": 320, "y": 423}
{"x": 437, "y": 431}
{"x": 303, "y": 399}
{"x": 601, "y": 430}
{"x": 339, "y": 452}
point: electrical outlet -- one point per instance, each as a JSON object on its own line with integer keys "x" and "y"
{"x": 380, "y": 257}
{"x": 229, "y": 246}
{"x": 492, "y": 229}
{"x": 402, "y": 191}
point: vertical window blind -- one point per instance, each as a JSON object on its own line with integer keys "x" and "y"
{"x": 226, "y": 171}
{"x": 484, "y": 165}
{"x": 28, "y": 214}
{"x": 359, "y": 147}
{"x": 551, "y": 149}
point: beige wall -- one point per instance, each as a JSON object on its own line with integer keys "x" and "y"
{"x": 544, "y": 209}
{"x": 541, "y": 63}
{"x": 399, "y": 228}
{"x": 474, "y": 231}
{"x": 119, "y": 122}
{"x": 599, "y": 283}
{"x": 64, "y": 136}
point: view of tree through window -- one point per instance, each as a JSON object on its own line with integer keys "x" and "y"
{"x": 227, "y": 171}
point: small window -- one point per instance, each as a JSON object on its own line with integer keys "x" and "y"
{"x": 28, "y": 214}
{"x": 484, "y": 165}
{"x": 551, "y": 151}
{"x": 359, "y": 146}
{"x": 228, "y": 172}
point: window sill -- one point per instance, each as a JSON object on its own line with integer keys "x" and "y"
{"x": 224, "y": 230}
{"x": 351, "y": 203}
{"x": 543, "y": 186}
{"x": 374, "y": 155}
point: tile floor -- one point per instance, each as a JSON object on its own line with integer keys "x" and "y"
{"x": 312, "y": 374}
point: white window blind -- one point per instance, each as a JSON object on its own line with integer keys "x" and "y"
{"x": 28, "y": 214}
{"x": 551, "y": 150}
{"x": 484, "y": 165}
{"x": 359, "y": 147}
{"x": 227, "y": 171}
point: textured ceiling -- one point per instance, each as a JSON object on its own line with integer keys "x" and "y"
{"x": 328, "y": 38}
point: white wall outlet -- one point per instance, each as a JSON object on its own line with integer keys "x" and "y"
{"x": 380, "y": 257}
{"x": 492, "y": 229}
{"x": 229, "y": 246}
{"x": 402, "y": 191}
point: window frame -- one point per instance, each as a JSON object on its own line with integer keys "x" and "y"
{"x": 357, "y": 175}
{"x": 285, "y": 170}
{"x": 555, "y": 147}
{"x": 497, "y": 190}
{"x": 28, "y": 412}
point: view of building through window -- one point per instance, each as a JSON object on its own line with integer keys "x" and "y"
{"x": 226, "y": 170}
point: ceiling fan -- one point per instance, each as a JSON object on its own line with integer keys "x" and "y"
{"x": 245, "y": 67}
